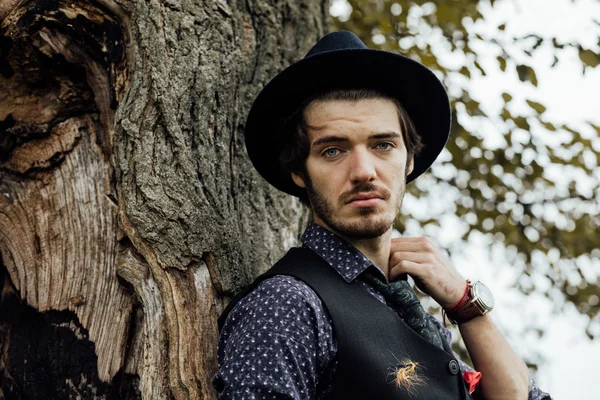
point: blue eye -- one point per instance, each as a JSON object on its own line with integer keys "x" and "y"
{"x": 331, "y": 152}
{"x": 384, "y": 146}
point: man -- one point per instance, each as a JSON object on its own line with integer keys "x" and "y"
{"x": 345, "y": 129}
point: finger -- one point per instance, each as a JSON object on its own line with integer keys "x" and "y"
{"x": 404, "y": 267}
{"x": 407, "y": 238}
{"x": 422, "y": 244}
{"x": 417, "y": 257}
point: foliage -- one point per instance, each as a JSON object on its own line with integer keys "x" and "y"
{"x": 536, "y": 193}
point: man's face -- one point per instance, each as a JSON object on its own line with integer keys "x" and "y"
{"x": 356, "y": 166}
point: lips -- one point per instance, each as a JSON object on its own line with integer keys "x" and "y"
{"x": 365, "y": 200}
{"x": 364, "y": 196}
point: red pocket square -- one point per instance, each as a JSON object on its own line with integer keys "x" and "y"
{"x": 472, "y": 379}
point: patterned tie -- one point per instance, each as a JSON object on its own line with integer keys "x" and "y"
{"x": 402, "y": 297}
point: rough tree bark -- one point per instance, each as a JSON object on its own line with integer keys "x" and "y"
{"x": 129, "y": 212}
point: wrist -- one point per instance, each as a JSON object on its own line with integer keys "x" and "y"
{"x": 475, "y": 322}
{"x": 476, "y": 301}
{"x": 452, "y": 295}
{"x": 462, "y": 299}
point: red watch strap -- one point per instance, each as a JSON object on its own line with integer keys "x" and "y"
{"x": 463, "y": 299}
{"x": 463, "y": 310}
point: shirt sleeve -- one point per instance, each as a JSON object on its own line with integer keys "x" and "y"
{"x": 534, "y": 391}
{"x": 274, "y": 344}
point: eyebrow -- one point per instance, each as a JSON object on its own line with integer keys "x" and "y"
{"x": 340, "y": 139}
{"x": 329, "y": 139}
{"x": 386, "y": 135}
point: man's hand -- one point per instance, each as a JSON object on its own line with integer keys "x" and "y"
{"x": 504, "y": 375}
{"x": 430, "y": 269}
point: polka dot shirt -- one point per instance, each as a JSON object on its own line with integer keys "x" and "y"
{"x": 277, "y": 342}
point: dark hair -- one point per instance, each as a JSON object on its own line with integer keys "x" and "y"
{"x": 296, "y": 148}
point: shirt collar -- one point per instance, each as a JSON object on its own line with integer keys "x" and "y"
{"x": 346, "y": 259}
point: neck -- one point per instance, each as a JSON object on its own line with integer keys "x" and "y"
{"x": 377, "y": 249}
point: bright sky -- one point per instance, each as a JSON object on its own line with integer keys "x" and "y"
{"x": 568, "y": 96}
{"x": 570, "y": 369}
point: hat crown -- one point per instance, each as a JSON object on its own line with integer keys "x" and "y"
{"x": 341, "y": 40}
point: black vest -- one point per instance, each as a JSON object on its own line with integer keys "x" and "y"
{"x": 372, "y": 338}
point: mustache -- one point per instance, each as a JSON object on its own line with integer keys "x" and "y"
{"x": 365, "y": 188}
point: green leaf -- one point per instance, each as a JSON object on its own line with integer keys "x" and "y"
{"x": 589, "y": 58}
{"x": 556, "y": 44}
{"x": 478, "y": 66}
{"x": 465, "y": 71}
{"x": 549, "y": 126}
{"x": 502, "y": 63}
{"x": 507, "y": 97}
{"x": 473, "y": 109}
{"x": 526, "y": 73}
{"x": 539, "y": 108}
{"x": 522, "y": 123}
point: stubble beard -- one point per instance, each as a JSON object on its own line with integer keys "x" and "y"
{"x": 369, "y": 226}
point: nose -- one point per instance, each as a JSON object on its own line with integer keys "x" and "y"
{"x": 362, "y": 166}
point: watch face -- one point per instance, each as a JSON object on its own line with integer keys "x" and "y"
{"x": 484, "y": 295}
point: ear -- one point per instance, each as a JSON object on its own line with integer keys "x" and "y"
{"x": 410, "y": 166}
{"x": 298, "y": 180}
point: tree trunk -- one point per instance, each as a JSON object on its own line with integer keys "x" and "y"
{"x": 129, "y": 211}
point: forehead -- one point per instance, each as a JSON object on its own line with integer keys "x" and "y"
{"x": 347, "y": 116}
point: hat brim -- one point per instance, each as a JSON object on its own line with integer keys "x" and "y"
{"x": 416, "y": 87}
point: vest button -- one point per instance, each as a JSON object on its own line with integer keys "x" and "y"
{"x": 453, "y": 367}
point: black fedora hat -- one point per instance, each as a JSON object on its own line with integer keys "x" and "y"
{"x": 340, "y": 60}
